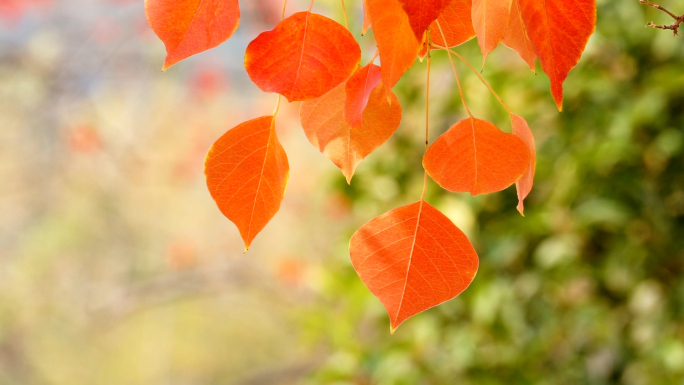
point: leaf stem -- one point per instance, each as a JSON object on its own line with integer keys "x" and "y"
{"x": 282, "y": 15}
{"x": 310, "y": 6}
{"x": 453, "y": 67}
{"x": 427, "y": 120}
{"x": 277, "y": 107}
{"x": 344, "y": 10}
{"x": 478, "y": 75}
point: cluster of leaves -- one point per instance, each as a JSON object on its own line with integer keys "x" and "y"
{"x": 413, "y": 257}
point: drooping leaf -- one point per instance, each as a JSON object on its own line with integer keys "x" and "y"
{"x": 366, "y": 19}
{"x": 303, "y": 57}
{"x": 559, "y": 31}
{"x": 524, "y": 185}
{"x": 247, "y": 172}
{"x": 412, "y": 258}
{"x": 456, "y": 22}
{"x": 516, "y": 36}
{"x": 475, "y": 156}
{"x": 421, "y": 13}
{"x": 188, "y": 27}
{"x": 490, "y": 19}
{"x": 325, "y": 127}
{"x": 397, "y": 44}
{"x": 358, "y": 89}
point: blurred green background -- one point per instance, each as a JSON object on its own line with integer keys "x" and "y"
{"x": 117, "y": 268}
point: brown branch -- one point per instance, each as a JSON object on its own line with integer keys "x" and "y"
{"x": 674, "y": 26}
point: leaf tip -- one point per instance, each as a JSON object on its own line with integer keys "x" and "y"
{"x": 392, "y": 329}
{"x": 521, "y": 209}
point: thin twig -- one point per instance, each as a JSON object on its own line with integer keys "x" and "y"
{"x": 674, "y": 27}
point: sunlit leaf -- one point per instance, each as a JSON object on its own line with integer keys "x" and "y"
{"x": 325, "y": 127}
{"x": 412, "y": 258}
{"x": 358, "y": 89}
{"x": 516, "y": 36}
{"x": 188, "y": 27}
{"x": 456, "y": 22}
{"x": 490, "y": 19}
{"x": 524, "y": 185}
{"x": 247, "y": 172}
{"x": 475, "y": 156}
{"x": 559, "y": 31}
{"x": 421, "y": 13}
{"x": 303, "y": 57}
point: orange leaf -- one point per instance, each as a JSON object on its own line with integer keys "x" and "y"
{"x": 456, "y": 22}
{"x": 188, "y": 27}
{"x": 524, "y": 185}
{"x": 516, "y": 36}
{"x": 421, "y": 13}
{"x": 366, "y": 19}
{"x": 490, "y": 18}
{"x": 303, "y": 57}
{"x": 358, "y": 88}
{"x": 325, "y": 127}
{"x": 412, "y": 258}
{"x": 247, "y": 172}
{"x": 475, "y": 156}
{"x": 396, "y": 41}
{"x": 559, "y": 31}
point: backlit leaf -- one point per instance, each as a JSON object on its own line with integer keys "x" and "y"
{"x": 303, "y": 57}
{"x": 422, "y": 13}
{"x": 366, "y": 19}
{"x": 516, "y": 36}
{"x": 524, "y": 185}
{"x": 490, "y": 19}
{"x": 412, "y": 258}
{"x": 456, "y": 22}
{"x": 475, "y": 156}
{"x": 247, "y": 172}
{"x": 188, "y": 27}
{"x": 325, "y": 127}
{"x": 559, "y": 31}
{"x": 397, "y": 44}
{"x": 358, "y": 89}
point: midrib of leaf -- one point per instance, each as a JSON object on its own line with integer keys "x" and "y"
{"x": 472, "y": 123}
{"x": 199, "y": 6}
{"x": 413, "y": 248}
{"x": 261, "y": 176}
{"x": 301, "y": 56}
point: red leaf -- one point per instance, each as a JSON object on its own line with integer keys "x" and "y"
{"x": 524, "y": 185}
{"x": 325, "y": 127}
{"x": 516, "y": 36}
{"x": 247, "y": 172}
{"x": 490, "y": 18}
{"x": 188, "y": 27}
{"x": 456, "y": 23}
{"x": 421, "y": 13}
{"x": 396, "y": 41}
{"x": 559, "y": 31}
{"x": 303, "y": 57}
{"x": 412, "y": 258}
{"x": 474, "y": 156}
{"x": 358, "y": 89}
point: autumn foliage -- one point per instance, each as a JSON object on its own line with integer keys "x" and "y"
{"x": 413, "y": 257}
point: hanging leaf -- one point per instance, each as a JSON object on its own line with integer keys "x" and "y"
{"x": 397, "y": 44}
{"x": 303, "y": 57}
{"x": 456, "y": 22}
{"x": 188, "y": 27}
{"x": 524, "y": 185}
{"x": 325, "y": 127}
{"x": 421, "y": 13}
{"x": 490, "y": 19}
{"x": 366, "y": 19}
{"x": 475, "y": 156}
{"x": 516, "y": 36}
{"x": 247, "y": 172}
{"x": 559, "y": 31}
{"x": 412, "y": 258}
{"x": 358, "y": 89}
